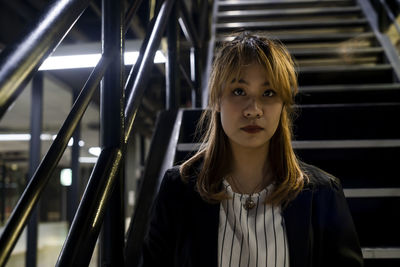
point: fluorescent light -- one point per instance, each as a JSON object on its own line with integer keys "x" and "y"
{"x": 15, "y": 137}
{"x": 22, "y": 137}
{"x": 90, "y": 60}
{"x": 70, "y": 62}
{"x": 66, "y": 177}
{"x": 95, "y": 151}
{"x": 130, "y": 58}
{"x": 27, "y": 137}
{"x": 88, "y": 159}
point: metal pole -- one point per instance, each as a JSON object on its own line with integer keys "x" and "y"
{"x": 19, "y": 61}
{"x": 112, "y": 128}
{"x": 195, "y": 73}
{"x": 21, "y": 212}
{"x": 3, "y": 193}
{"x": 34, "y": 160}
{"x": 72, "y": 190}
{"x": 172, "y": 65}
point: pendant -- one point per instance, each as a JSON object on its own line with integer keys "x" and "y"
{"x": 249, "y": 204}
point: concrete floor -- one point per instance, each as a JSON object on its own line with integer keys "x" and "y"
{"x": 51, "y": 239}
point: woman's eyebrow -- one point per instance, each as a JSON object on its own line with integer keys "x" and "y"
{"x": 243, "y": 81}
{"x": 240, "y": 81}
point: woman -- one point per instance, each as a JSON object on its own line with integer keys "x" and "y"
{"x": 244, "y": 199}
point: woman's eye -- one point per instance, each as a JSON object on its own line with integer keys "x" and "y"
{"x": 238, "y": 91}
{"x": 269, "y": 93}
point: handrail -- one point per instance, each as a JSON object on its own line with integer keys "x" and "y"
{"x": 137, "y": 91}
{"x": 390, "y": 15}
{"x": 85, "y": 228}
{"x": 32, "y": 192}
{"x": 131, "y": 12}
{"x": 20, "y": 61}
{"x": 161, "y": 157}
{"x": 157, "y": 156}
{"x": 188, "y": 26}
{"x": 89, "y": 216}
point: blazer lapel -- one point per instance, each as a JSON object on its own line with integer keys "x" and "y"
{"x": 297, "y": 216}
{"x": 205, "y": 219}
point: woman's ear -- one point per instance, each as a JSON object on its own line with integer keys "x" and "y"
{"x": 218, "y": 106}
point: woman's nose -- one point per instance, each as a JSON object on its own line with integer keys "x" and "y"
{"x": 252, "y": 110}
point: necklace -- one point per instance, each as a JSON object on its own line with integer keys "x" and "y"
{"x": 249, "y": 202}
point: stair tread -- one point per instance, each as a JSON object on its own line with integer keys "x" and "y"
{"x": 293, "y": 11}
{"x": 321, "y": 144}
{"x": 350, "y": 87}
{"x": 292, "y": 38}
{"x": 344, "y": 68}
{"x": 297, "y": 24}
{"x": 280, "y": 2}
{"x": 339, "y": 50}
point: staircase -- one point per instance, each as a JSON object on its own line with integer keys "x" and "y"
{"x": 348, "y": 104}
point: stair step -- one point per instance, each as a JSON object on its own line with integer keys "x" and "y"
{"x": 350, "y": 87}
{"x": 285, "y": 25}
{"x": 377, "y": 214}
{"x": 382, "y": 253}
{"x": 336, "y": 144}
{"x": 371, "y": 192}
{"x": 320, "y": 144}
{"x": 357, "y": 167}
{"x": 349, "y": 74}
{"x": 337, "y": 55}
{"x": 338, "y": 52}
{"x": 347, "y": 93}
{"x": 288, "y": 39}
{"x": 251, "y": 15}
{"x": 259, "y": 4}
{"x": 367, "y": 121}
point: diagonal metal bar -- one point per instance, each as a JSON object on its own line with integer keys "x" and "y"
{"x": 18, "y": 62}
{"x": 161, "y": 157}
{"x": 81, "y": 239}
{"x": 133, "y": 8}
{"x": 85, "y": 228}
{"x": 30, "y": 196}
{"x": 187, "y": 25}
{"x": 139, "y": 82}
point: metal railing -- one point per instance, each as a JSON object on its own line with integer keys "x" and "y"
{"x": 18, "y": 64}
{"x": 387, "y": 12}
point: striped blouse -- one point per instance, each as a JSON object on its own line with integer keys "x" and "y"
{"x": 251, "y": 238}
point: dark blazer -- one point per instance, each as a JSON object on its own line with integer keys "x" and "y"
{"x": 184, "y": 228}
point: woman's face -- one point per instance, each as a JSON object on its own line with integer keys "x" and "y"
{"x": 250, "y": 109}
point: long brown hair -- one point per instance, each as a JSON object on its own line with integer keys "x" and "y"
{"x": 215, "y": 153}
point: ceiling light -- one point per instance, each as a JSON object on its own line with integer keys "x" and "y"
{"x": 22, "y": 137}
{"x": 95, "y": 151}
{"x": 66, "y": 177}
{"x": 88, "y": 159}
{"x": 90, "y": 60}
{"x": 27, "y": 137}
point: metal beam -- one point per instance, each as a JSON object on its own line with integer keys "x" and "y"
{"x": 112, "y": 127}
{"x": 18, "y": 62}
{"x": 72, "y": 190}
{"x": 34, "y": 160}
{"x": 32, "y": 192}
{"x": 172, "y": 64}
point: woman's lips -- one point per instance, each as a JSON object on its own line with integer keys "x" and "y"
{"x": 252, "y": 129}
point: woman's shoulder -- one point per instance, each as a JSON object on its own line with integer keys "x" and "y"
{"x": 318, "y": 178}
{"x": 173, "y": 179}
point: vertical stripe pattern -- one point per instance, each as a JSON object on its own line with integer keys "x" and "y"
{"x": 255, "y": 237}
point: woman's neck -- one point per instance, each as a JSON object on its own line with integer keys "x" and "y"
{"x": 249, "y": 172}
